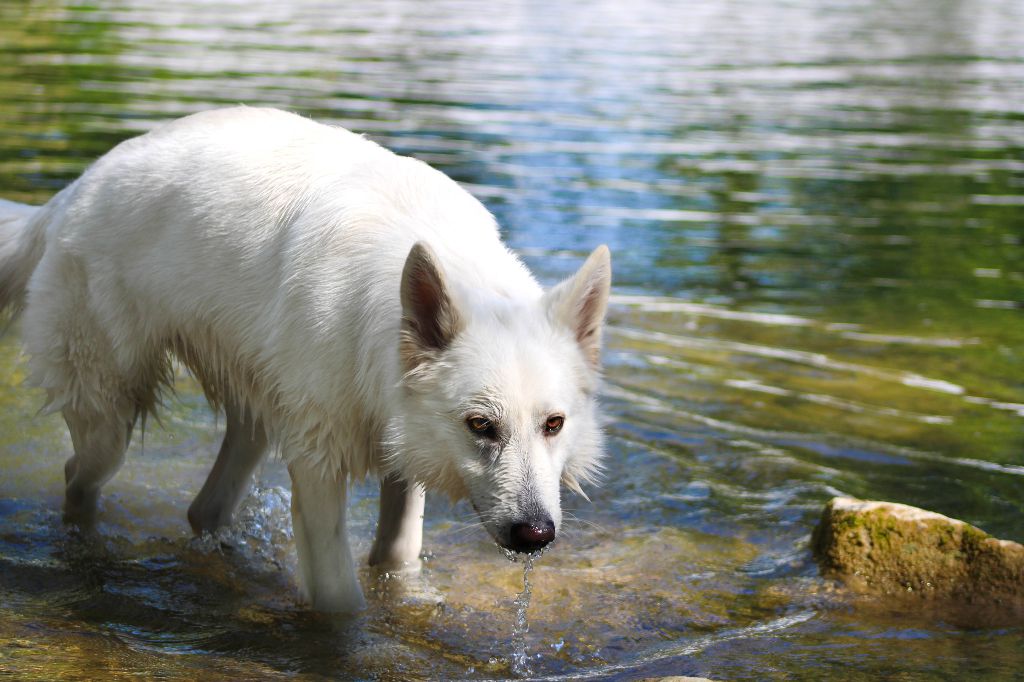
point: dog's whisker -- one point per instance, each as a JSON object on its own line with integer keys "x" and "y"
{"x": 585, "y": 522}
{"x": 461, "y": 533}
{"x": 465, "y": 517}
{"x": 464, "y": 526}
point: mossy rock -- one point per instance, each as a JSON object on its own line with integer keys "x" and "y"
{"x": 894, "y": 549}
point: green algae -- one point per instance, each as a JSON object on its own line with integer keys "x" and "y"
{"x": 890, "y": 550}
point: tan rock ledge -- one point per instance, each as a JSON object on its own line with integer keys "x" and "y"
{"x": 890, "y": 549}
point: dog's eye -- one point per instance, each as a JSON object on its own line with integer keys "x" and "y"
{"x": 482, "y": 426}
{"x": 554, "y": 424}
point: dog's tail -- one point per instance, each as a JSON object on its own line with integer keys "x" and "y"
{"x": 22, "y": 241}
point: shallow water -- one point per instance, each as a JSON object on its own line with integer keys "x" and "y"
{"x": 815, "y": 210}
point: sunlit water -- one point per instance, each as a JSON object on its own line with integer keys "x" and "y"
{"x": 816, "y": 210}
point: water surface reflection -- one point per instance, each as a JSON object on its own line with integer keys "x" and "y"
{"x": 815, "y": 210}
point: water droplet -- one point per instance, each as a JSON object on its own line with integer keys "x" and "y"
{"x": 260, "y": 532}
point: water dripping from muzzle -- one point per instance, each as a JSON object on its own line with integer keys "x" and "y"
{"x": 521, "y": 625}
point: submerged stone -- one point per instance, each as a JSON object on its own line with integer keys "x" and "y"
{"x": 890, "y": 549}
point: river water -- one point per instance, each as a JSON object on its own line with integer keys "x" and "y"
{"x": 816, "y": 211}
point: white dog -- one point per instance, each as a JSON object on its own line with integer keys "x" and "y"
{"x": 353, "y": 307}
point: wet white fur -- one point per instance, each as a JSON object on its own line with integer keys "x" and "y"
{"x": 266, "y": 251}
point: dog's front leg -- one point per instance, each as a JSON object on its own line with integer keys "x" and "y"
{"x": 327, "y": 573}
{"x": 245, "y": 443}
{"x": 400, "y": 525}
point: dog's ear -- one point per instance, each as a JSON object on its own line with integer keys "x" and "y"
{"x": 580, "y": 302}
{"x": 429, "y": 318}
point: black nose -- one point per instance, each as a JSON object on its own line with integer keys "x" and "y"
{"x": 529, "y": 537}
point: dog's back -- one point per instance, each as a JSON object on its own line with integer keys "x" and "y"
{"x": 263, "y": 248}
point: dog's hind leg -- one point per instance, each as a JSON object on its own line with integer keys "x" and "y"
{"x": 93, "y": 362}
{"x": 100, "y": 441}
{"x": 327, "y": 573}
{"x": 400, "y": 525}
{"x": 245, "y": 443}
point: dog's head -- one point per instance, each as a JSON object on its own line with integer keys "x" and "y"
{"x": 499, "y": 403}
